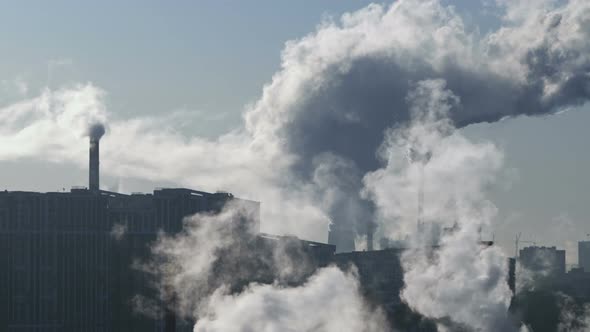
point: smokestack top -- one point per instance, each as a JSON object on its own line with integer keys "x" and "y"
{"x": 95, "y": 131}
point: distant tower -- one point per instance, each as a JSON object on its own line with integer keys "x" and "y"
{"x": 95, "y": 132}
{"x": 584, "y": 255}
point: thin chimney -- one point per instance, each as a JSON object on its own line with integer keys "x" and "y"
{"x": 95, "y": 132}
{"x": 93, "y": 173}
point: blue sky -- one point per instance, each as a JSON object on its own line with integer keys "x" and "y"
{"x": 152, "y": 56}
{"x": 213, "y": 57}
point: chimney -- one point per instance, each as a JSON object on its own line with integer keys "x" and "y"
{"x": 95, "y": 132}
{"x": 93, "y": 169}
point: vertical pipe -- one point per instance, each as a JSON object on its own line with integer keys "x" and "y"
{"x": 93, "y": 169}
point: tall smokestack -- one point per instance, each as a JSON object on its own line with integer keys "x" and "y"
{"x": 95, "y": 132}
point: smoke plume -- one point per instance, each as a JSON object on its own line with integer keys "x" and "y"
{"x": 214, "y": 268}
{"x": 329, "y": 302}
{"x": 343, "y": 86}
{"x": 449, "y": 274}
{"x": 96, "y": 131}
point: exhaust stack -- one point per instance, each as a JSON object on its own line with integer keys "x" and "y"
{"x": 95, "y": 132}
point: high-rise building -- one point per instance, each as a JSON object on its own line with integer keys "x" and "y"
{"x": 546, "y": 261}
{"x": 584, "y": 255}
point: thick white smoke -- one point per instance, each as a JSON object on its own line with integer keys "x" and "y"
{"x": 329, "y": 302}
{"x": 192, "y": 265}
{"x": 449, "y": 274}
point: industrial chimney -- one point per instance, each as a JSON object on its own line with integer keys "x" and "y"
{"x": 95, "y": 132}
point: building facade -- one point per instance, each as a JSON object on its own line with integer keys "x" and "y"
{"x": 64, "y": 268}
{"x": 584, "y": 255}
{"x": 544, "y": 261}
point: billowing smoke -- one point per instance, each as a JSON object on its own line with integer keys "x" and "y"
{"x": 450, "y": 275}
{"x": 96, "y": 131}
{"x": 343, "y": 86}
{"x": 213, "y": 271}
{"x": 329, "y": 302}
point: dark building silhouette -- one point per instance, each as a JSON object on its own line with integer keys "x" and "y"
{"x": 381, "y": 280}
{"x": 544, "y": 261}
{"x": 584, "y": 255}
{"x": 67, "y": 257}
{"x": 512, "y": 274}
{"x": 576, "y": 283}
{"x": 341, "y": 236}
{"x": 380, "y": 273}
{"x": 63, "y": 269}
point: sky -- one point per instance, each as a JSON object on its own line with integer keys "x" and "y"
{"x": 212, "y": 58}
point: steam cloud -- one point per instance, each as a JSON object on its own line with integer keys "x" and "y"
{"x": 327, "y": 130}
{"x": 448, "y": 274}
{"x": 194, "y": 265}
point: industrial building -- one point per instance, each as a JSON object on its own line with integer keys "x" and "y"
{"x": 68, "y": 257}
{"x": 63, "y": 269}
